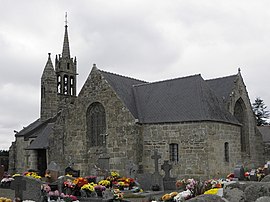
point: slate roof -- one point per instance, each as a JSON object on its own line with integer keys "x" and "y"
{"x": 222, "y": 86}
{"x": 176, "y": 100}
{"x": 40, "y": 130}
{"x": 41, "y": 141}
{"x": 123, "y": 87}
{"x": 265, "y": 131}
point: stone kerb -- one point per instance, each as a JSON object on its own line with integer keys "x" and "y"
{"x": 246, "y": 191}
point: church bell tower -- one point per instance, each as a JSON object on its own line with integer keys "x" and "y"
{"x": 58, "y": 86}
{"x": 66, "y": 70}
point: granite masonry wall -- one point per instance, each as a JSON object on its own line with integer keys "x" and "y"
{"x": 201, "y": 148}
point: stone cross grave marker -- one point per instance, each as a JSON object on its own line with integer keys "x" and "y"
{"x": 156, "y": 156}
{"x": 18, "y": 185}
{"x": 168, "y": 181}
{"x": 239, "y": 172}
{"x": 156, "y": 177}
{"x": 166, "y": 167}
{"x": 53, "y": 170}
{"x": 2, "y": 171}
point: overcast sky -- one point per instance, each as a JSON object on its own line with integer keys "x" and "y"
{"x": 145, "y": 39}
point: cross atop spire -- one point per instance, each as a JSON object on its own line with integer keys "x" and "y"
{"x": 66, "y": 51}
{"x": 66, "y": 21}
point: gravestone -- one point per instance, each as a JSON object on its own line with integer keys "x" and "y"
{"x": 239, "y": 172}
{"x": 18, "y": 185}
{"x": 72, "y": 172}
{"x": 266, "y": 169}
{"x": 168, "y": 181}
{"x": 2, "y": 172}
{"x": 156, "y": 177}
{"x": 103, "y": 166}
{"x": 53, "y": 170}
{"x": 145, "y": 180}
{"x": 253, "y": 175}
{"x": 27, "y": 188}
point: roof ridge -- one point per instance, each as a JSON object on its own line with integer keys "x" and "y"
{"x": 234, "y": 75}
{"x": 168, "y": 80}
{"x": 115, "y": 74}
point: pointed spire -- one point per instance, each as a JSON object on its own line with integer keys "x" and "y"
{"x": 66, "y": 51}
{"x": 49, "y": 62}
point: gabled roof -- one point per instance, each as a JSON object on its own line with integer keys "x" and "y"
{"x": 41, "y": 141}
{"x": 176, "y": 100}
{"x": 179, "y": 100}
{"x": 123, "y": 87}
{"x": 222, "y": 86}
{"x": 40, "y": 130}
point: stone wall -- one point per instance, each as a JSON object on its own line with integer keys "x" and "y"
{"x": 253, "y": 157}
{"x": 201, "y": 148}
{"x": 123, "y": 140}
{"x": 22, "y": 156}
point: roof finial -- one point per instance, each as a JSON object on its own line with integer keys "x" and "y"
{"x": 239, "y": 70}
{"x": 66, "y": 21}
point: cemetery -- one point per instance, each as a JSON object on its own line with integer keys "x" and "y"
{"x": 108, "y": 186}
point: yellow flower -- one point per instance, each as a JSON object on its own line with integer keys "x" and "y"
{"x": 212, "y": 191}
{"x": 115, "y": 174}
{"x": 166, "y": 197}
{"x": 173, "y": 194}
{"x": 104, "y": 183}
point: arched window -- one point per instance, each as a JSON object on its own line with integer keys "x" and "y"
{"x": 96, "y": 124}
{"x": 59, "y": 84}
{"x": 66, "y": 85}
{"x": 174, "y": 152}
{"x": 72, "y": 90}
{"x": 241, "y": 115}
{"x": 226, "y": 151}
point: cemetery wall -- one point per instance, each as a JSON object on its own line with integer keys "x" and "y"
{"x": 200, "y": 146}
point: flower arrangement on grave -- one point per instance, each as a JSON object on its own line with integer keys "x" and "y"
{"x": 3, "y": 199}
{"x": 117, "y": 194}
{"x": 32, "y": 174}
{"x": 212, "y": 191}
{"x": 68, "y": 198}
{"x": 181, "y": 184}
{"x": 16, "y": 175}
{"x": 6, "y": 181}
{"x": 169, "y": 197}
{"x": 53, "y": 195}
{"x": 99, "y": 189}
{"x": 88, "y": 189}
{"x": 80, "y": 181}
{"x": 105, "y": 183}
{"x": 125, "y": 183}
{"x": 115, "y": 174}
{"x": 182, "y": 196}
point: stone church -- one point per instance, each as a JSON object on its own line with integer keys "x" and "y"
{"x": 203, "y": 128}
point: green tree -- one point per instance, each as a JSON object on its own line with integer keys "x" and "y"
{"x": 261, "y": 114}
